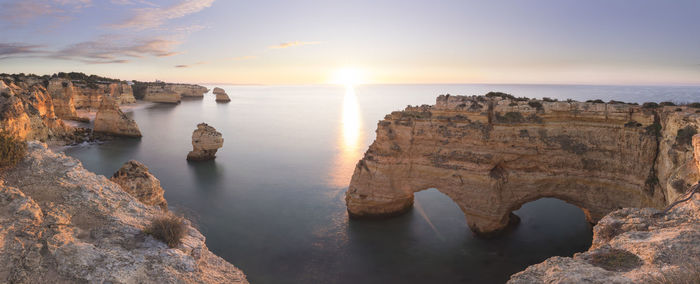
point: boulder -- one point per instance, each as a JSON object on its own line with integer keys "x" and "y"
{"x": 111, "y": 120}
{"x": 205, "y": 142}
{"x": 221, "y": 95}
{"x": 134, "y": 178}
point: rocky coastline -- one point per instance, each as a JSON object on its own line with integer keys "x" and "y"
{"x": 64, "y": 223}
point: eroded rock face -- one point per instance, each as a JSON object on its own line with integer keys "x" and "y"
{"x": 631, "y": 246}
{"x": 187, "y": 90}
{"x": 221, "y": 95}
{"x": 27, "y": 111}
{"x": 135, "y": 179}
{"x": 111, "y": 120}
{"x": 205, "y": 142}
{"x": 64, "y": 224}
{"x": 493, "y": 154}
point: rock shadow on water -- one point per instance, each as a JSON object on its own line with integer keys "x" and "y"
{"x": 208, "y": 174}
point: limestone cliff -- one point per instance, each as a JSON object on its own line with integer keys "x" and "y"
{"x": 166, "y": 92}
{"x": 491, "y": 154}
{"x": 61, "y": 223}
{"x": 27, "y": 110}
{"x": 70, "y": 95}
{"x": 134, "y": 178}
{"x": 111, "y": 120}
{"x": 631, "y": 246}
{"x": 205, "y": 142}
{"x": 221, "y": 95}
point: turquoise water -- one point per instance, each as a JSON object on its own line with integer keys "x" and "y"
{"x": 272, "y": 202}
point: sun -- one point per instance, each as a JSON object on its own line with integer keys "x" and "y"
{"x": 348, "y": 76}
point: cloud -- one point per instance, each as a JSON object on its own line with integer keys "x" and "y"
{"x": 21, "y": 12}
{"x": 149, "y": 18}
{"x": 115, "y": 49}
{"x": 190, "y": 65}
{"x": 293, "y": 44}
{"x": 13, "y": 50}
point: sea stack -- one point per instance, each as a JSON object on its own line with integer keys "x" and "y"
{"x": 111, "y": 120}
{"x": 205, "y": 142}
{"x": 221, "y": 95}
{"x": 135, "y": 179}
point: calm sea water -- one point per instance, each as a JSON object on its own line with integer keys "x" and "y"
{"x": 272, "y": 202}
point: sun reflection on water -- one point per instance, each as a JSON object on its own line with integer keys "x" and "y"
{"x": 348, "y": 140}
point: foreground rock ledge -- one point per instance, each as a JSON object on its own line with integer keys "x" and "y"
{"x": 631, "y": 246}
{"x": 492, "y": 154}
{"x": 61, "y": 223}
{"x": 205, "y": 142}
{"x": 134, "y": 178}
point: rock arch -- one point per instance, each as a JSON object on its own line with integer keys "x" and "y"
{"x": 491, "y": 155}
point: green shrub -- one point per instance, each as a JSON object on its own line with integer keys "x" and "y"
{"x": 549, "y": 100}
{"x": 499, "y": 94}
{"x": 168, "y": 228}
{"x": 650, "y": 105}
{"x": 694, "y": 105}
{"x": 598, "y": 101}
{"x": 616, "y": 260}
{"x": 535, "y": 104}
{"x": 510, "y": 117}
{"x": 667, "y": 104}
{"x": 614, "y": 102}
{"x": 12, "y": 150}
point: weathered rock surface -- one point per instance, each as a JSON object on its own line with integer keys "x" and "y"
{"x": 27, "y": 111}
{"x": 166, "y": 92}
{"x": 70, "y": 95}
{"x": 111, "y": 120}
{"x": 61, "y": 223}
{"x": 135, "y": 179}
{"x": 221, "y": 95}
{"x": 491, "y": 154}
{"x": 205, "y": 142}
{"x": 631, "y": 246}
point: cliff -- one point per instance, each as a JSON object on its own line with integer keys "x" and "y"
{"x": 111, "y": 120}
{"x": 491, "y": 154}
{"x": 27, "y": 111}
{"x": 69, "y": 94}
{"x": 166, "y": 92}
{"x": 65, "y": 224}
{"x": 632, "y": 246}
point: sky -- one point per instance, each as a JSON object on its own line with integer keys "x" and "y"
{"x": 633, "y": 42}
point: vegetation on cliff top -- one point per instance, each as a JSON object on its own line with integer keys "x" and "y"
{"x": 168, "y": 228}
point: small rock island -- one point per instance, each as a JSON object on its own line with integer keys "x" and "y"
{"x": 205, "y": 142}
{"x": 221, "y": 95}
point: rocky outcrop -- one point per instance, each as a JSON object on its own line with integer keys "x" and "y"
{"x": 111, "y": 120}
{"x": 631, "y": 246}
{"x": 61, "y": 223}
{"x": 491, "y": 154}
{"x": 156, "y": 92}
{"x": 161, "y": 92}
{"x": 27, "y": 111}
{"x": 205, "y": 142}
{"x": 63, "y": 93}
{"x": 187, "y": 90}
{"x": 135, "y": 179}
{"x": 221, "y": 95}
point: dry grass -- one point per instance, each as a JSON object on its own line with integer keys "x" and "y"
{"x": 12, "y": 150}
{"x": 168, "y": 228}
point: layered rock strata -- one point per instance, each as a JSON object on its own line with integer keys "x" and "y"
{"x": 631, "y": 246}
{"x": 111, "y": 120}
{"x": 27, "y": 111}
{"x": 491, "y": 154}
{"x": 167, "y": 92}
{"x": 70, "y": 95}
{"x": 64, "y": 224}
{"x": 221, "y": 95}
{"x": 205, "y": 142}
{"x": 135, "y": 179}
